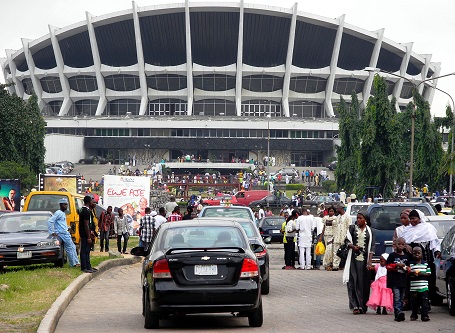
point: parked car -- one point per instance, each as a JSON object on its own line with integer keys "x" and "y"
{"x": 286, "y": 171}
{"x": 332, "y": 165}
{"x": 272, "y": 201}
{"x": 93, "y": 160}
{"x": 442, "y": 223}
{"x": 353, "y": 208}
{"x": 227, "y": 211}
{"x": 320, "y": 199}
{"x": 221, "y": 200}
{"x": 271, "y": 226}
{"x": 25, "y": 240}
{"x": 200, "y": 267}
{"x": 257, "y": 244}
{"x": 246, "y": 197}
{"x": 445, "y": 271}
{"x": 385, "y": 218}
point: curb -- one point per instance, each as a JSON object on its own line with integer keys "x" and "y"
{"x": 52, "y": 316}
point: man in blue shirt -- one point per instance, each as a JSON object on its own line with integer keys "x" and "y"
{"x": 57, "y": 226}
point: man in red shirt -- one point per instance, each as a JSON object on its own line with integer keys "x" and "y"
{"x": 105, "y": 224}
{"x": 175, "y": 216}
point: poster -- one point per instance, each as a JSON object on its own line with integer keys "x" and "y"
{"x": 10, "y": 192}
{"x": 130, "y": 193}
{"x": 69, "y": 183}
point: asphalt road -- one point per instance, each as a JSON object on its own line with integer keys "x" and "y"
{"x": 299, "y": 301}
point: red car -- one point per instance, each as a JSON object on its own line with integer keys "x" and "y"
{"x": 221, "y": 199}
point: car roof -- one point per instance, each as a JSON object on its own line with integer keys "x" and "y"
{"x": 203, "y": 222}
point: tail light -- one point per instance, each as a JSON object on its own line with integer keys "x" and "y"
{"x": 261, "y": 254}
{"x": 249, "y": 268}
{"x": 261, "y": 231}
{"x": 161, "y": 270}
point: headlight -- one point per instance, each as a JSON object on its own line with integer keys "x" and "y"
{"x": 2, "y": 246}
{"x": 48, "y": 243}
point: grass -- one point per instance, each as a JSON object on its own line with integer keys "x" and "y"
{"x": 32, "y": 290}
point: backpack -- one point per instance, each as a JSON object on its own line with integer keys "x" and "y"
{"x": 290, "y": 226}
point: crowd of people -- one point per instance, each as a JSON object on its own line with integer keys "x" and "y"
{"x": 403, "y": 279}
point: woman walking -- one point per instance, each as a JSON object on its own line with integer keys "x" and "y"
{"x": 360, "y": 241}
{"x": 328, "y": 232}
{"x": 121, "y": 230}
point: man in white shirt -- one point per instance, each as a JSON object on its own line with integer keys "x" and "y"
{"x": 344, "y": 221}
{"x": 305, "y": 224}
{"x": 261, "y": 213}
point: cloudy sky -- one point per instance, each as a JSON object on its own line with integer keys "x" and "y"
{"x": 428, "y": 24}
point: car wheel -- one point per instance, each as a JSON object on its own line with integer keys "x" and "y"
{"x": 61, "y": 261}
{"x": 143, "y": 302}
{"x": 82, "y": 162}
{"x": 255, "y": 318}
{"x": 451, "y": 296}
{"x": 151, "y": 319}
{"x": 265, "y": 286}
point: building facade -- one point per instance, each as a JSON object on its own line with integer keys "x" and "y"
{"x": 219, "y": 81}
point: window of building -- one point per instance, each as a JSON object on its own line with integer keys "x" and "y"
{"x": 28, "y": 86}
{"x": 83, "y": 83}
{"x": 306, "y": 109}
{"x": 167, "y": 107}
{"x": 261, "y": 108}
{"x": 345, "y": 86}
{"x": 214, "y": 107}
{"x": 307, "y": 84}
{"x": 167, "y": 82}
{"x": 214, "y": 82}
{"x": 306, "y": 158}
{"x": 122, "y": 82}
{"x": 51, "y": 84}
{"x": 120, "y": 107}
{"x": 262, "y": 83}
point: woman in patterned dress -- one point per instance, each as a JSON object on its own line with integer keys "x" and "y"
{"x": 330, "y": 223}
{"x": 361, "y": 243}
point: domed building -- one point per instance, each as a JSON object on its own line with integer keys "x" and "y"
{"x": 218, "y": 81}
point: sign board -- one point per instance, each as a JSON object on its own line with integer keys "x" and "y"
{"x": 10, "y": 192}
{"x": 130, "y": 193}
{"x": 67, "y": 183}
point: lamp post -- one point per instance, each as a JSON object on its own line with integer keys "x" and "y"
{"x": 415, "y": 87}
{"x": 268, "y": 152}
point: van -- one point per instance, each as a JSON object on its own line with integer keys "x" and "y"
{"x": 48, "y": 201}
{"x": 244, "y": 198}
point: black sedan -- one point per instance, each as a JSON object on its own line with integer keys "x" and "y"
{"x": 201, "y": 267}
{"x": 445, "y": 270}
{"x": 257, "y": 244}
{"x": 272, "y": 201}
{"x": 25, "y": 240}
{"x": 271, "y": 226}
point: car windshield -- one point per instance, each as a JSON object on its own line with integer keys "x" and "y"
{"x": 202, "y": 237}
{"x": 226, "y": 212}
{"x": 356, "y": 208}
{"x": 18, "y": 223}
{"x": 442, "y": 227}
{"x": 47, "y": 202}
{"x": 278, "y": 221}
{"x": 388, "y": 217}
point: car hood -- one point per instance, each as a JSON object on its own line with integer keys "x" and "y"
{"x": 24, "y": 238}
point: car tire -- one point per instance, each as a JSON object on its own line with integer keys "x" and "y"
{"x": 451, "y": 296}
{"x": 151, "y": 319}
{"x": 255, "y": 318}
{"x": 61, "y": 261}
{"x": 82, "y": 162}
{"x": 265, "y": 286}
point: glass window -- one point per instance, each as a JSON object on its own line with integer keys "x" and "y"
{"x": 83, "y": 83}
{"x": 345, "y": 86}
{"x": 51, "y": 84}
{"x": 122, "y": 82}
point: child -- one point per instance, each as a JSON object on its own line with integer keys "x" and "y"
{"x": 397, "y": 263}
{"x": 381, "y": 296}
{"x": 419, "y": 274}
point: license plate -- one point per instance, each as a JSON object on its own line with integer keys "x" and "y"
{"x": 24, "y": 255}
{"x": 275, "y": 231}
{"x": 205, "y": 270}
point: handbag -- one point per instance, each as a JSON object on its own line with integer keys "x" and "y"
{"x": 320, "y": 249}
{"x": 343, "y": 251}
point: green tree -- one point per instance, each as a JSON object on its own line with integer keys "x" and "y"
{"x": 379, "y": 156}
{"x": 428, "y": 148}
{"x": 22, "y": 131}
{"x": 13, "y": 170}
{"x": 346, "y": 173}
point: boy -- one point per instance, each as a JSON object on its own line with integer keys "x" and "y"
{"x": 419, "y": 274}
{"x": 397, "y": 263}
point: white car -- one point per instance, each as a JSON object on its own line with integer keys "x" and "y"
{"x": 354, "y": 207}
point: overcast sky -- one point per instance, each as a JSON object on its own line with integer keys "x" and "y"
{"x": 428, "y": 24}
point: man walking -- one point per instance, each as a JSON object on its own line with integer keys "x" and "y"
{"x": 147, "y": 229}
{"x": 305, "y": 225}
{"x": 57, "y": 226}
{"x": 85, "y": 220}
{"x": 344, "y": 221}
{"x": 106, "y": 223}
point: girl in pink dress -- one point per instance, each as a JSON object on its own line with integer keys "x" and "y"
{"x": 381, "y": 296}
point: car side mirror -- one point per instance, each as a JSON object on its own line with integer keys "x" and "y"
{"x": 267, "y": 239}
{"x": 139, "y": 251}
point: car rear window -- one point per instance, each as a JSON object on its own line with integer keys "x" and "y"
{"x": 203, "y": 237}
{"x": 226, "y": 212}
{"x": 442, "y": 227}
{"x": 273, "y": 222}
{"x": 388, "y": 217}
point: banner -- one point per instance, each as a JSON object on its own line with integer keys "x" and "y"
{"x": 130, "y": 193}
{"x": 68, "y": 183}
{"x": 10, "y": 192}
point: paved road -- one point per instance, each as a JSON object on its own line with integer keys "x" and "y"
{"x": 299, "y": 301}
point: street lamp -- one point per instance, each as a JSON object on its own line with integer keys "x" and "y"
{"x": 411, "y": 163}
{"x": 268, "y": 152}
